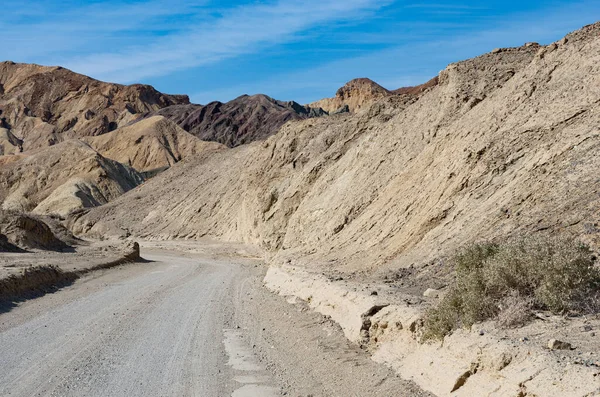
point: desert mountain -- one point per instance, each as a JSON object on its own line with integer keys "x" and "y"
{"x": 359, "y": 93}
{"x": 41, "y": 106}
{"x": 355, "y": 94}
{"x": 242, "y": 120}
{"x": 503, "y": 143}
{"x": 150, "y": 144}
{"x": 62, "y": 178}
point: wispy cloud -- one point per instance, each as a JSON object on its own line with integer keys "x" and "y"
{"x": 203, "y": 39}
{"x": 50, "y": 32}
{"x": 415, "y": 62}
{"x": 438, "y": 6}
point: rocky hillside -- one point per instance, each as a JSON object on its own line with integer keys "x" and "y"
{"x": 503, "y": 143}
{"x": 151, "y": 144}
{"x": 242, "y": 120}
{"x": 62, "y": 178}
{"x": 41, "y": 106}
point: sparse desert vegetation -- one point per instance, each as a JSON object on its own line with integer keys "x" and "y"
{"x": 507, "y": 281}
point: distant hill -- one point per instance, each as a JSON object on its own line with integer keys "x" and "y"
{"x": 60, "y": 179}
{"x": 362, "y": 92}
{"x": 41, "y": 106}
{"x": 242, "y": 120}
{"x": 150, "y": 144}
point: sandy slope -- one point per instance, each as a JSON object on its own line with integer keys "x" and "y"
{"x": 506, "y": 142}
{"x": 150, "y": 144}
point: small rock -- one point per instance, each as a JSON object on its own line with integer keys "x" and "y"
{"x": 496, "y": 50}
{"x": 374, "y": 293}
{"x": 481, "y": 332}
{"x": 586, "y": 328}
{"x": 431, "y": 293}
{"x": 524, "y": 339}
{"x": 563, "y": 41}
{"x": 554, "y": 344}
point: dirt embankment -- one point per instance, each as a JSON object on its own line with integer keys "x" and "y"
{"x": 481, "y": 361}
{"x": 19, "y": 278}
{"x": 38, "y": 254}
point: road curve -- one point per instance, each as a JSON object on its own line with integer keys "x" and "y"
{"x": 153, "y": 329}
{"x": 181, "y": 325}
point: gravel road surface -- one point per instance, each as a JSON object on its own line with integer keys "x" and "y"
{"x": 180, "y": 325}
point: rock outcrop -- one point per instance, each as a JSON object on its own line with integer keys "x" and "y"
{"x": 504, "y": 143}
{"x": 42, "y": 106}
{"x": 240, "y": 121}
{"x": 7, "y": 246}
{"x": 27, "y": 232}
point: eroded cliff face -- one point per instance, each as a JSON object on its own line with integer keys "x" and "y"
{"x": 42, "y": 106}
{"x": 504, "y": 143}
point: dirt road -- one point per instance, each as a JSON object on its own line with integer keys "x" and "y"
{"x": 180, "y": 325}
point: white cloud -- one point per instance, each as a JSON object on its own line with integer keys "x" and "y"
{"x": 202, "y": 39}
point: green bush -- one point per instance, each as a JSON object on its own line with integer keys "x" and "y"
{"x": 542, "y": 273}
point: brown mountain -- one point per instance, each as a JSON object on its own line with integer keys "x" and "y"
{"x": 355, "y": 94}
{"x": 418, "y": 89}
{"x": 360, "y": 93}
{"x": 242, "y": 120}
{"x": 41, "y": 106}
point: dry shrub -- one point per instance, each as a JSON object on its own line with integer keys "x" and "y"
{"x": 515, "y": 311}
{"x": 556, "y": 274}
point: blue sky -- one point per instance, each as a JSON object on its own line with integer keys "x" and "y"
{"x": 300, "y": 50}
